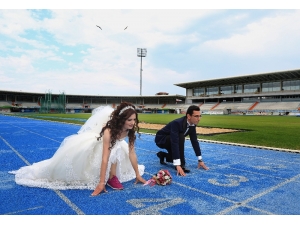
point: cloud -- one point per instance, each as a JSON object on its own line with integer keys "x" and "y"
{"x": 68, "y": 53}
{"x": 18, "y": 65}
{"x": 64, "y": 50}
{"x": 15, "y": 23}
{"x": 264, "y": 37}
{"x": 5, "y": 79}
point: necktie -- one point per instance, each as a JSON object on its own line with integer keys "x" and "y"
{"x": 187, "y": 129}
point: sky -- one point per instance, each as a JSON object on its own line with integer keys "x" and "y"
{"x": 56, "y": 48}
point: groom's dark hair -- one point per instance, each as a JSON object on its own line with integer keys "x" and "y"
{"x": 191, "y": 109}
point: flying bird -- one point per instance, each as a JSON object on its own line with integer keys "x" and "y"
{"x": 99, "y": 27}
{"x": 125, "y": 28}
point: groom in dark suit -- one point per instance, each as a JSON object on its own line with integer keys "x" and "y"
{"x": 172, "y": 137}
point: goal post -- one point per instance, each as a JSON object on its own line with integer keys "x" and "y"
{"x": 48, "y": 104}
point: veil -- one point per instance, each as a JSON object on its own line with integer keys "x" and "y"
{"x": 98, "y": 119}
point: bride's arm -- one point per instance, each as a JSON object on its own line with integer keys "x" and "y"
{"x": 133, "y": 160}
{"x": 105, "y": 155}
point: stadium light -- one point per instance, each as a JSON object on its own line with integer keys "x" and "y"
{"x": 141, "y": 52}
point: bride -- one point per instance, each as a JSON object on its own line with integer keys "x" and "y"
{"x": 97, "y": 155}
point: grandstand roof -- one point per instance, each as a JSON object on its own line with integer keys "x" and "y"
{"x": 98, "y": 96}
{"x": 246, "y": 79}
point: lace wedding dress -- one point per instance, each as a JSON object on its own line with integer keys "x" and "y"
{"x": 76, "y": 163}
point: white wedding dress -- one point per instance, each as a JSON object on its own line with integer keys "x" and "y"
{"x": 76, "y": 163}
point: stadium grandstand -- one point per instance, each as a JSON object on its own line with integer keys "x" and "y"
{"x": 274, "y": 93}
{"x": 13, "y": 101}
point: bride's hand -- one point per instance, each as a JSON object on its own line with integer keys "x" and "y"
{"x": 139, "y": 179}
{"x": 100, "y": 187}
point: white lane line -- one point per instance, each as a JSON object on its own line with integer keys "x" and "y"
{"x": 200, "y": 191}
{"x": 225, "y": 211}
{"x": 243, "y": 145}
{"x": 15, "y": 151}
{"x": 35, "y": 133}
{"x": 68, "y": 202}
{"x": 228, "y": 166}
{"x": 236, "y": 203}
{"x": 154, "y": 209}
{"x": 60, "y": 194}
{"x": 20, "y": 211}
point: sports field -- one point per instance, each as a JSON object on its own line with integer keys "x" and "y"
{"x": 269, "y": 131}
{"x": 241, "y": 180}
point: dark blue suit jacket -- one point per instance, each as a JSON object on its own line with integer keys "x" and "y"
{"x": 174, "y": 128}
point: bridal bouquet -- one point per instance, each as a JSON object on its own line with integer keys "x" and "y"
{"x": 163, "y": 177}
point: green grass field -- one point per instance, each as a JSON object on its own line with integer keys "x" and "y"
{"x": 268, "y": 131}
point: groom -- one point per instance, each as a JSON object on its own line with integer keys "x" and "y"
{"x": 172, "y": 138}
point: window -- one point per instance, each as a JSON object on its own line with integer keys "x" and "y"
{"x": 212, "y": 91}
{"x": 291, "y": 85}
{"x": 270, "y": 86}
{"x": 238, "y": 88}
{"x": 251, "y": 88}
{"x": 226, "y": 90}
{"x": 198, "y": 92}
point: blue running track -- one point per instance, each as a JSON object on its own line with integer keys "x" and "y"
{"x": 241, "y": 180}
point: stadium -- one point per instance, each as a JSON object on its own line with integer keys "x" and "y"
{"x": 238, "y": 66}
{"x": 273, "y": 93}
{"x": 248, "y": 170}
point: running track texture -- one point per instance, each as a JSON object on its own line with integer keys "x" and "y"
{"x": 240, "y": 181}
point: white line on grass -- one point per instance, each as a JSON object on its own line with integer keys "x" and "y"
{"x": 243, "y": 145}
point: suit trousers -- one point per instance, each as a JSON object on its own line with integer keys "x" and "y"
{"x": 168, "y": 146}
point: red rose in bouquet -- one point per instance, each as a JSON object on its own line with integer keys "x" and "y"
{"x": 163, "y": 177}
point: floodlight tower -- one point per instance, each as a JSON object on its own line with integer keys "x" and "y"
{"x": 141, "y": 52}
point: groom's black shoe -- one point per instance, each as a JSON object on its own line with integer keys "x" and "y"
{"x": 161, "y": 156}
{"x": 184, "y": 169}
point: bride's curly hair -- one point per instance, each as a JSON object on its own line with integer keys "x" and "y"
{"x": 116, "y": 122}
